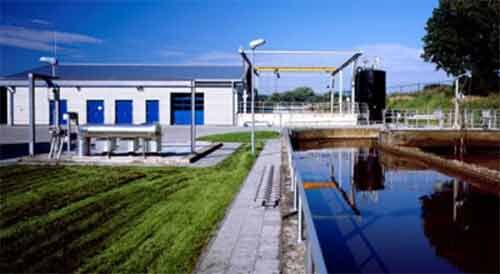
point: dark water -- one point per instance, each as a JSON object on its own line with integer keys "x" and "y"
{"x": 389, "y": 215}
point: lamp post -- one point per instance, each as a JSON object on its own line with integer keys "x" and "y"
{"x": 458, "y": 97}
{"x": 52, "y": 61}
{"x": 253, "y": 45}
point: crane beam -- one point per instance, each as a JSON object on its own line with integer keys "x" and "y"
{"x": 295, "y": 69}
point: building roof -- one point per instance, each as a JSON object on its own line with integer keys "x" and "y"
{"x": 135, "y": 72}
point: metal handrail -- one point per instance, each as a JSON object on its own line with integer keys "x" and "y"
{"x": 315, "y": 262}
{"x": 302, "y": 107}
{"x": 442, "y": 118}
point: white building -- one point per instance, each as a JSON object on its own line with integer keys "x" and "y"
{"x": 127, "y": 94}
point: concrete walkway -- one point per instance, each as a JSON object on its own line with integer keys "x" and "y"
{"x": 248, "y": 240}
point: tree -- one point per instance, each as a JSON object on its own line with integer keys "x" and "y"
{"x": 463, "y": 36}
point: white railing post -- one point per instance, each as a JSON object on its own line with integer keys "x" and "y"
{"x": 299, "y": 221}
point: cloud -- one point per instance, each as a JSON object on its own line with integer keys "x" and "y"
{"x": 42, "y": 40}
{"x": 40, "y": 22}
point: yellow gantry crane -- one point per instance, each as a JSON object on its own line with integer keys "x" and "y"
{"x": 295, "y": 69}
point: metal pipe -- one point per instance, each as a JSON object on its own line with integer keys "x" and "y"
{"x": 68, "y": 130}
{"x": 12, "y": 91}
{"x": 31, "y": 107}
{"x": 353, "y": 86}
{"x": 57, "y": 108}
{"x": 253, "y": 103}
{"x": 341, "y": 91}
{"x": 306, "y": 52}
{"x": 332, "y": 97}
{"x": 193, "y": 116}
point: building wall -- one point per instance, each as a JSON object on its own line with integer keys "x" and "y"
{"x": 219, "y": 108}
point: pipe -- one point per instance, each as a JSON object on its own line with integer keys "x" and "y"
{"x": 31, "y": 107}
{"x": 193, "y": 116}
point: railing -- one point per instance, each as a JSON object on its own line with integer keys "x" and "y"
{"x": 467, "y": 118}
{"x": 315, "y": 262}
{"x": 301, "y": 107}
{"x": 416, "y": 87}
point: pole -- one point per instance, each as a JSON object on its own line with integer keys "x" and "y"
{"x": 57, "y": 108}
{"x": 31, "y": 107}
{"x": 455, "y": 123}
{"x": 332, "y": 98}
{"x": 353, "y": 86}
{"x": 253, "y": 103}
{"x": 11, "y": 106}
{"x": 341, "y": 92}
{"x": 193, "y": 116}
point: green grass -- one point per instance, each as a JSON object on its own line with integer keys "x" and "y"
{"x": 439, "y": 98}
{"x": 240, "y": 137}
{"x": 113, "y": 219}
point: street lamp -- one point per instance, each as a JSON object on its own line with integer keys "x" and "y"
{"x": 458, "y": 97}
{"x": 253, "y": 45}
{"x": 52, "y": 61}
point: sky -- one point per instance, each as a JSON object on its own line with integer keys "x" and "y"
{"x": 210, "y": 32}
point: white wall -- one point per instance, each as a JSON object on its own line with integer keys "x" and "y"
{"x": 219, "y": 106}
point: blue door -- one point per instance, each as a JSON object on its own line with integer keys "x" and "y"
{"x": 152, "y": 111}
{"x": 123, "y": 112}
{"x": 95, "y": 112}
{"x": 181, "y": 109}
{"x": 62, "y": 111}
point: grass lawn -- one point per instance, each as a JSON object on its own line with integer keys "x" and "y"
{"x": 440, "y": 98}
{"x": 113, "y": 219}
{"x": 241, "y": 137}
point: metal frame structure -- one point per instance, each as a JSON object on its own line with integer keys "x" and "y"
{"x": 255, "y": 70}
{"x": 32, "y": 77}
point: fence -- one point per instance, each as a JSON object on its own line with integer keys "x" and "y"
{"x": 415, "y": 87}
{"x": 315, "y": 262}
{"x": 467, "y": 118}
{"x": 301, "y": 107}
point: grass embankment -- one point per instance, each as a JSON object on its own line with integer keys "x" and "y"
{"x": 113, "y": 219}
{"x": 440, "y": 98}
{"x": 241, "y": 137}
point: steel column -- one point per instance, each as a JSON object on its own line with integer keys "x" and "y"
{"x": 353, "y": 86}
{"x": 253, "y": 103}
{"x": 455, "y": 123}
{"x": 332, "y": 97}
{"x": 341, "y": 91}
{"x": 31, "y": 108}
{"x": 193, "y": 116}
{"x": 12, "y": 91}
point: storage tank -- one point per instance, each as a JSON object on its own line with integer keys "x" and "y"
{"x": 370, "y": 89}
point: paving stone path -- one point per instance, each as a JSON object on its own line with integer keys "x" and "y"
{"x": 248, "y": 239}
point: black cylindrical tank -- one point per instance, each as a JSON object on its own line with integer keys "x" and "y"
{"x": 370, "y": 89}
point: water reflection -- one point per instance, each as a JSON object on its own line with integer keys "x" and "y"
{"x": 373, "y": 215}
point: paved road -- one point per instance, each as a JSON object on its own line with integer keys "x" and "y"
{"x": 171, "y": 134}
{"x": 248, "y": 240}
{"x": 14, "y": 139}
